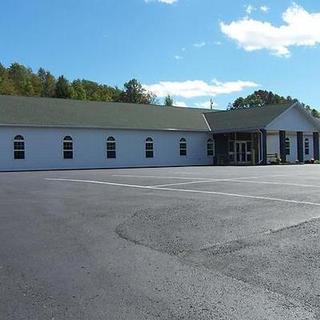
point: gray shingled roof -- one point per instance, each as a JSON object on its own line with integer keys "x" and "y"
{"x": 244, "y": 119}
{"x": 32, "y": 111}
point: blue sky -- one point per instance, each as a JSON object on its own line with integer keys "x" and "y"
{"x": 193, "y": 49}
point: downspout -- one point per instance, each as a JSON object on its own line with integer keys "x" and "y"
{"x": 260, "y": 149}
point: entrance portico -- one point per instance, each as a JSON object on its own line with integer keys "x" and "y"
{"x": 262, "y": 135}
{"x": 238, "y": 148}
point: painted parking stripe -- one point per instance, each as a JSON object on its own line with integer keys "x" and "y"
{"x": 237, "y": 180}
{"x": 240, "y": 181}
{"x": 156, "y": 177}
{"x": 277, "y": 183}
{"x": 181, "y": 183}
{"x": 188, "y": 191}
{"x": 193, "y": 178}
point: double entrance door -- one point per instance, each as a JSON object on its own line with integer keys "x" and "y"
{"x": 241, "y": 153}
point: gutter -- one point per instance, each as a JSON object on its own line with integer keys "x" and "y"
{"x": 97, "y": 127}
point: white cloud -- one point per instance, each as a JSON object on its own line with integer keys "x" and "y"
{"x": 205, "y": 104}
{"x": 168, "y": 1}
{"x": 264, "y": 9}
{"x": 178, "y": 57}
{"x": 198, "y": 88}
{"x": 218, "y": 43}
{"x": 162, "y": 1}
{"x": 199, "y": 44}
{"x": 181, "y": 104}
{"x": 300, "y": 28}
{"x": 201, "y": 105}
{"x": 250, "y": 9}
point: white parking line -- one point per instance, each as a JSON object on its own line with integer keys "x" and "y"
{"x": 156, "y": 177}
{"x": 277, "y": 183}
{"x": 194, "y": 178}
{"x": 188, "y": 191}
{"x": 194, "y": 182}
{"x": 237, "y": 180}
{"x": 240, "y": 181}
{"x": 181, "y": 183}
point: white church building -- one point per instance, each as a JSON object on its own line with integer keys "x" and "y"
{"x": 48, "y": 133}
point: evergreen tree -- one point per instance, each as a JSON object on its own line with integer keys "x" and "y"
{"x": 21, "y": 77}
{"x": 168, "y": 101}
{"x": 63, "y": 88}
{"x": 48, "y": 83}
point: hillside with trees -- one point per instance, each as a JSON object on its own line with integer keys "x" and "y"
{"x": 262, "y": 97}
{"x": 19, "y": 80}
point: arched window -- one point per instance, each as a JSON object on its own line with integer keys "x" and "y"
{"x": 306, "y": 146}
{"x": 149, "y": 148}
{"x": 18, "y": 147}
{"x": 183, "y": 147}
{"x": 210, "y": 147}
{"x": 111, "y": 148}
{"x": 67, "y": 148}
{"x": 287, "y": 145}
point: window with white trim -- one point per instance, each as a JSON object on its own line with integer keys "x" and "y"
{"x": 67, "y": 147}
{"x": 18, "y": 148}
{"x": 149, "y": 147}
{"x": 210, "y": 147}
{"x": 287, "y": 146}
{"x": 183, "y": 147}
{"x": 306, "y": 146}
{"x": 111, "y": 148}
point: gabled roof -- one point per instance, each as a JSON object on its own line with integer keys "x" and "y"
{"x": 244, "y": 119}
{"x": 52, "y": 112}
{"x": 34, "y": 111}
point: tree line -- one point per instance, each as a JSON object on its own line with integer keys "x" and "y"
{"x": 19, "y": 80}
{"x": 262, "y": 97}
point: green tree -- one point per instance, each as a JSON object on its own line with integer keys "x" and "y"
{"x": 20, "y": 80}
{"x": 168, "y": 101}
{"x": 254, "y": 100}
{"x": 48, "y": 83}
{"x": 315, "y": 113}
{"x": 63, "y": 88}
{"x": 262, "y": 97}
{"x": 21, "y": 77}
{"x": 237, "y": 104}
{"x": 79, "y": 92}
{"x": 3, "y": 71}
{"x": 90, "y": 88}
{"x": 135, "y": 93}
{"x": 36, "y": 85}
{"x": 6, "y": 85}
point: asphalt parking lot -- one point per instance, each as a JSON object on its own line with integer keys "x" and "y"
{"x": 161, "y": 243}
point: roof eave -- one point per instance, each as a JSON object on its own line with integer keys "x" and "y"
{"x": 100, "y": 127}
{"x": 252, "y": 129}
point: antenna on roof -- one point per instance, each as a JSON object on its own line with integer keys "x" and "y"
{"x": 211, "y": 104}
